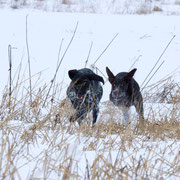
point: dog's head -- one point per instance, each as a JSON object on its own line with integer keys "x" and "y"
{"x": 121, "y": 86}
{"x": 82, "y": 81}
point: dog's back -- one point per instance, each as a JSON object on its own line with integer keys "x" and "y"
{"x": 96, "y": 88}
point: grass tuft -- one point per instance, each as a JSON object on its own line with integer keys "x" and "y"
{"x": 157, "y": 9}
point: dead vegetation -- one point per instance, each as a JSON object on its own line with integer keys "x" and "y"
{"x": 42, "y": 142}
{"x": 39, "y": 142}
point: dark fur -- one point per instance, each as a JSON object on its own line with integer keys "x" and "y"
{"x": 85, "y": 93}
{"x": 125, "y": 92}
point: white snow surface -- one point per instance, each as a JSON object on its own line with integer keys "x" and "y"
{"x": 140, "y": 38}
{"x": 167, "y": 7}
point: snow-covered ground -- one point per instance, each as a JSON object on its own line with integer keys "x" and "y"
{"x": 141, "y": 39}
{"x": 36, "y": 150}
{"x": 167, "y": 7}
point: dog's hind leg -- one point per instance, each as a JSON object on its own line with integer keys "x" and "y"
{"x": 95, "y": 114}
{"x": 140, "y": 109}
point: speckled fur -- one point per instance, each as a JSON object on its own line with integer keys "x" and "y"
{"x": 90, "y": 94}
{"x": 125, "y": 93}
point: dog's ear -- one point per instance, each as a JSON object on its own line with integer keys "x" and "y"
{"x": 72, "y": 73}
{"x": 131, "y": 74}
{"x": 96, "y": 78}
{"x": 111, "y": 76}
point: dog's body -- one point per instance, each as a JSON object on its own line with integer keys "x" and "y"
{"x": 125, "y": 93}
{"x": 85, "y": 93}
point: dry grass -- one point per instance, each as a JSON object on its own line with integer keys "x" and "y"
{"x": 164, "y": 91}
{"x": 14, "y": 7}
{"x": 42, "y": 142}
{"x": 157, "y": 9}
{"x": 177, "y": 2}
{"x": 144, "y": 9}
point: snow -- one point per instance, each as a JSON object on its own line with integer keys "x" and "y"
{"x": 167, "y": 7}
{"x": 142, "y": 38}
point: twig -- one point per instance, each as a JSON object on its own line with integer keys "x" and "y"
{"x": 152, "y": 75}
{"x": 88, "y": 55}
{"x": 97, "y": 69}
{"x": 59, "y": 52}
{"x": 138, "y": 167}
{"x": 158, "y": 60}
{"x": 58, "y": 61}
{"x": 29, "y": 63}
{"x": 105, "y": 50}
{"x": 165, "y": 78}
{"x": 52, "y": 81}
{"x": 137, "y": 59}
{"x": 87, "y": 170}
{"x": 10, "y": 73}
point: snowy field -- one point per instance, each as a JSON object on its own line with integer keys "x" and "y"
{"x": 167, "y": 7}
{"x": 139, "y": 43}
{"x": 33, "y": 146}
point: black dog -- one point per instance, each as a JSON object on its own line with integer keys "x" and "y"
{"x": 125, "y": 92}
{"x": 85, "y": 93}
